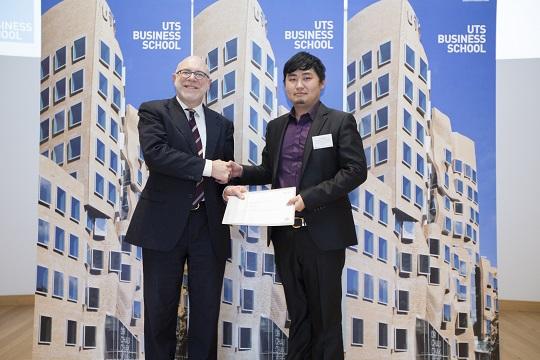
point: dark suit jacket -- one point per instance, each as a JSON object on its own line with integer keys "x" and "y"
{"x": 169, "y": 152}
{"x": 328, "y": 175}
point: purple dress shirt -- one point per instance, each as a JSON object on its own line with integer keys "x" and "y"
{"x": 292, "y": 148}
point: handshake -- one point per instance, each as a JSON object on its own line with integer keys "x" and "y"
{"x": 224, "y": 171}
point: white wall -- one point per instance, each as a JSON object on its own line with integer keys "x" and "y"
{"x": 19, "y": 148}
{"x": 518, "y": 149}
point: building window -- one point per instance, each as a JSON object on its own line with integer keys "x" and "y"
{"x": 383, "y": 250}
{"x": 99, "y": 188}
{"x": 407, "y": 154}
{"x": 247, "y": 299}
{"x": 228, "y": 112}
{"x": 357, "y": 332}
{"x": 400, "y": 337}
{"x": 418, "y": 196}
{"x": 422, "y": 102}
{"x": 368, "y": 243}
{"x": 270, "y": 66}
{"x": 58, "y": 285}
{"x": 448, "y": 156}
{"x": 383, "y": 212}
{"x": 420, "y": 133}
{"x": 244, "y": 338}
{"x": 44, "y": 97}
{"x": 354, "y": 199}
{"x": 115, "y": 261}
{"x": 255, "y": 86}
{"x": 365, "y": 95}
{"x": 136, "y": 313}
{"x": 44, "y": 131}
{"x": 58, "y": 154}
{"x": 367, "y": 154}
{"x": 89, "y": 337}
{"x": 103, "y": 89}
{"x": 60, "y": 90}
{"x": 365, "y": 64}
{"x": 92, "y": 298}
{"x": 365, "y": 126}
{"x": 369, "y": 204}
{"x": 381, "y": 152}
{"x": 231, "y": 50}
{"x": 406, "y": 188}
{"x": 382, "y": 339}
{"x": 256, "y": 54}
{"x": 447, "y": 254}
{"x": 113, "y": 161}
{"x": 45, "y": 329}
{"x": 368, "y": 287}
{"x": 268, "y": 99}
{"x": 139, "y": 177}
{"x": 383, "y": 292}
{"x": 351, "y": 72}
{"x": 101, "y": 118}
{"x": 125, "y": 274}
{"x": 71, "y": 333}
{"x": 112, "y": 194}
{"x": 447, "y": 313}
{"x": 117, "y": 98}
{"x": 434, "y": 276}
{"x": 212, "y": 60}
{"x": 74, "y": 148}
{"x": 76, "y": 81}
{"x": 405, "y": 263}
{"x": 407, "y": 121}
{"x": 383, "y": 85}
{"x": 423, "y": 70}
{"x": 60, "y": 59}
{"x": 60, "y": 200}
{"x": 458, "y": 228}
{"x": 42, "y": 280}
{"x": 227, "y": 334}
{"x": 59, "y": 123}
{"x": 385, "y": 53}
{"x": 100, "y": 151}
{"x": 420, "y": 167}
{"x": 104, "y": 54}
{"x": 73, "y": 289}
{"x": 381, "y": 119}
{"x": 114, "y": 130}
{"x": 73, "y": 246}
{"x": 212, "y": 94}
{"x": 75, "y": 114}
{"x": 45, "y": 68}
{"x": 409, "y": 57}
{"x": 253, "y": 153}
{"x": 97, "y": 259}
{"x": 229, "y": 83}
{"x": 352, "y": 282}
{"x": 44, "y": 191}
{"x": 423, "y": 264}
{"x": 462, "y": 350}
{"x": 351, "y": 102}
{"x": 227, "y": 291}
{"x": 118, "y": 66}
{"x": 409, "y": 90}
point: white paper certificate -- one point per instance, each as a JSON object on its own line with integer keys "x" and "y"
{"x": 261, "y": 208}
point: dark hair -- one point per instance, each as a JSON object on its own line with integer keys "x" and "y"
{"x": 304, "y": 61}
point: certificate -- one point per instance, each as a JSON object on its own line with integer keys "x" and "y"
{"x": 261, "y": 208}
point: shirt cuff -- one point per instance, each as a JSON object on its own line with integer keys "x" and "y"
{"x": 207, "y": 171}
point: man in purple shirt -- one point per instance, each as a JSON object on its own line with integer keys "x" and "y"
{"x": 317, "y": 150}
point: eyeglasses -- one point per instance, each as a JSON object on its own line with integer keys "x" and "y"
{"x": 185, "y": 74}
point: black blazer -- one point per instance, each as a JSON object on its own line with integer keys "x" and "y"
{"x": 170, "y": 154}
{"x": 328, "y": 175}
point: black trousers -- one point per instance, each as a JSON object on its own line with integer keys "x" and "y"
{"x": 163, "y": 272}
{"x": 312, "y": 282}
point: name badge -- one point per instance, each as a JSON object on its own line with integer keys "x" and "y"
{"x": 322, "y": 141}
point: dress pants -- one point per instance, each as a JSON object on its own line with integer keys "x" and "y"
{"x": 312, "y": 282}
{"x": 163, "y": 272}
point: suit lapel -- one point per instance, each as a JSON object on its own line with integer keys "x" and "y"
{"x": 315, "y": 129}
{"x": 180, "y": 121}
{"x": 284, "y": 122}
{"x": 212, "y": 132}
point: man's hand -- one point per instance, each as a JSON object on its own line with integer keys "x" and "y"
{"x": 236, "y": 169}
{"x": 298, "y": 203}
{"x": 221, "y": 171}
{"x": 237, "y": 191}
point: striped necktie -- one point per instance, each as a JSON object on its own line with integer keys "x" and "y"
{"x": 199, "y": 188}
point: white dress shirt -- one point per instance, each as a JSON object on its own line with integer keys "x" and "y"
{"x": 201, "y": 126}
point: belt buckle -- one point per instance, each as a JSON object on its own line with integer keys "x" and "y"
{"x": 196, "y": 207}
{"x": 302, "y": 222}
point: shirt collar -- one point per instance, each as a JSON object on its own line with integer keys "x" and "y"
{"x": 312, "y": 112}
{"x": 198, "y": 109}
